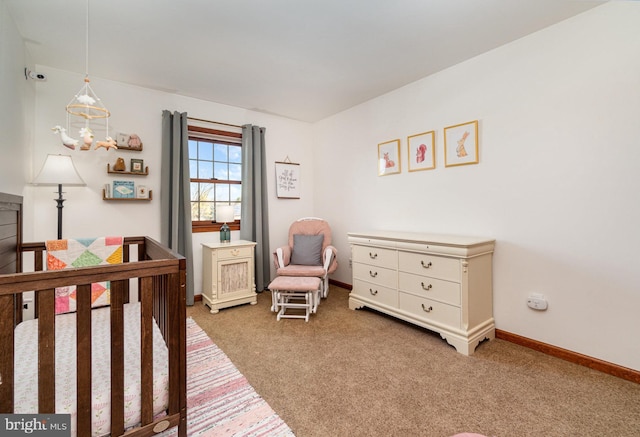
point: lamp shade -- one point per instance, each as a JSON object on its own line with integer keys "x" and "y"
{"x": 224, "y": 214}
{"x": 59, "y": 170}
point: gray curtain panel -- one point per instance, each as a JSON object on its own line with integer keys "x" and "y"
{"x": 175, "y": 202}
{"x": 254, "y": 217}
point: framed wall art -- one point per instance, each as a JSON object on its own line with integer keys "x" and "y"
{"x": 124, "y": 190}
{"x": 137, "y": 165}
{"x": 287, "y": 180}
{"x": 421, "y": 151}
{"x": 389, "y": 158}
{"x": 461, "y": 144}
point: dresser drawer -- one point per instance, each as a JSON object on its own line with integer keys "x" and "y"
{"x": 235, "y": 252}
{"x": 377, "y": 293}
{"x": 429, "y": 265}
{"x": 375, "y": 256}
{"x": 431, "y": 288}
{"x": 430, "y": 310}
{"x": 376, "y": 275}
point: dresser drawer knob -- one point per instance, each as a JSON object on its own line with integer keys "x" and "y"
{"x": 427, "y": 265}
{"x": 427, "y": 310}
{"x": 373, "y": 292}
{"x": 373, "y": 274}
{"x": 373, "y": 255}
{"x": 427, "y": 288}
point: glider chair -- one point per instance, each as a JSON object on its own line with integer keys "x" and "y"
{"x": 309, "y": 252}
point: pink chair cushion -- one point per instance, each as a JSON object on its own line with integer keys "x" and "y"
{"x": 296, "y": 270}
{"x": 293, "y": 283}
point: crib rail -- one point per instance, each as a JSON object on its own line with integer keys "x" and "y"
{"x": 160, "y": 275}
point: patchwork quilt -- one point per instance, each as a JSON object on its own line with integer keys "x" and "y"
{"x": 85, "y": 252}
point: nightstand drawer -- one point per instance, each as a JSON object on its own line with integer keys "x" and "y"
{"x": 428, "y": 265}
{"x": 376, "y": 293}
{"x": 235, "y": 252}
{"x": 430, "y": 310}
{"x": 375, "y": 275}
{"x": 430, "y": 288}
{"x": 375, "y": 256}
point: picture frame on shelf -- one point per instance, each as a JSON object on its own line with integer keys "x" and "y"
{"x": 461, "y": 144}
{"x": 389, "y": 158}
{"x": 142, "y": 192}
{"x": 421, "y": 152}
{"x": 124, "y": 190}
{"x": 137, "y": 165}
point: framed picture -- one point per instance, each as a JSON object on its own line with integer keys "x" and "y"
{"x": 461, "y": 144}
{"x": 421, "y": 151}
{"x": 142, "y": 192}
{"x": 287, "y": 180}
{"x": 137, "y": 166}
{"x": 389, "y": 158}
{"x": 124, "y": 190}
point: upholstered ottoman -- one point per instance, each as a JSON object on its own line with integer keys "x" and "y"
{"x": 290, "y": 292}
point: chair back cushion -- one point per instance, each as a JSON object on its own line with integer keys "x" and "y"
{"x": 310, "y": 227}
{"x": 307, "y": 250}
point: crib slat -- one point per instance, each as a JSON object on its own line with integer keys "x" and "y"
{"x": 117, "y": 358}
{"x": 146, "y": 340}
{"x": 6, "y": 358}
{"x": 83, "y": 373}
{"x": 46, "y": 353}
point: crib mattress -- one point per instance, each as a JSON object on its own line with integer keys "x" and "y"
{"x": 26, "y": 368}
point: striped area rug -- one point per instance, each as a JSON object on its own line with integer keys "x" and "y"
{"x": 220, "y": 400}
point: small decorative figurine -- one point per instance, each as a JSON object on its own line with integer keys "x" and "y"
{"x": 67, "y": 141}
{"x": 119, "y": 165}
{"x": 87, "y": 137}
{"x": 135, "y": 142}
{"x": 109, "y": 143}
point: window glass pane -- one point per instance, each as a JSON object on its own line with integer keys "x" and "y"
{"x": 221, "y": 153}
{"x": 207, "y": 192}
{"x": 235, "y": 172}
{"x": 236, "y": 210}
{"x": 221, "y": 171}
{"x": 235, "y": 192}
{"x": 195, "y": 215}
{"x": 194, "y": 192}
{"x": 193, "y": 149}
{"x": 235, "y": 154}
{"x": 205, "y": 169}
{"x": 205, "y": 151}
{"x": 222, "y": 192}
{"x": 206, "y": 211}
{"x": 193, "y": 168}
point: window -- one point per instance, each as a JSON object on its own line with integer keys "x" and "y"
{"x": 215, "y": 167}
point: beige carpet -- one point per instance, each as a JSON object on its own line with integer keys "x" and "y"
{"x": 360, "y": 373}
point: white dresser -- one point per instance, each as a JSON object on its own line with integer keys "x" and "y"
{"x": 440, "y": 282}
{"x": 228, "y": 274}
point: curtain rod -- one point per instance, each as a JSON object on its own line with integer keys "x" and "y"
{"x": 213, "y": 122}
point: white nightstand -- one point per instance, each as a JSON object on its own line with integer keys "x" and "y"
{"x": 228, "y": 274}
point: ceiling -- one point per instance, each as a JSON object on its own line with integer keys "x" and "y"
{"x": 302, "y": 59}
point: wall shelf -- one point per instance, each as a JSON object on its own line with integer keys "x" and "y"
{"x": 135, "y": 173}
{"x": 128, "y": 199}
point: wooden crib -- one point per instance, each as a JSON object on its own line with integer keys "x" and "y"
{"x": 156, "y": 272}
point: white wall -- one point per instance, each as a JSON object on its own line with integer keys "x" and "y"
{"x": 16, "y": 108}
{"x": 139, "y": 110}
{"x": 556, "y": 185}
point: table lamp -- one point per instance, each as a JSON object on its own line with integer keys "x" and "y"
{"x": 224, "y": 214}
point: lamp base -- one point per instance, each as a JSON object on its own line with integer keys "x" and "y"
{"x": 225, "y": 234}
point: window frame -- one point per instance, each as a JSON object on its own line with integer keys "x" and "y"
{"x": 199, "y": 133}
